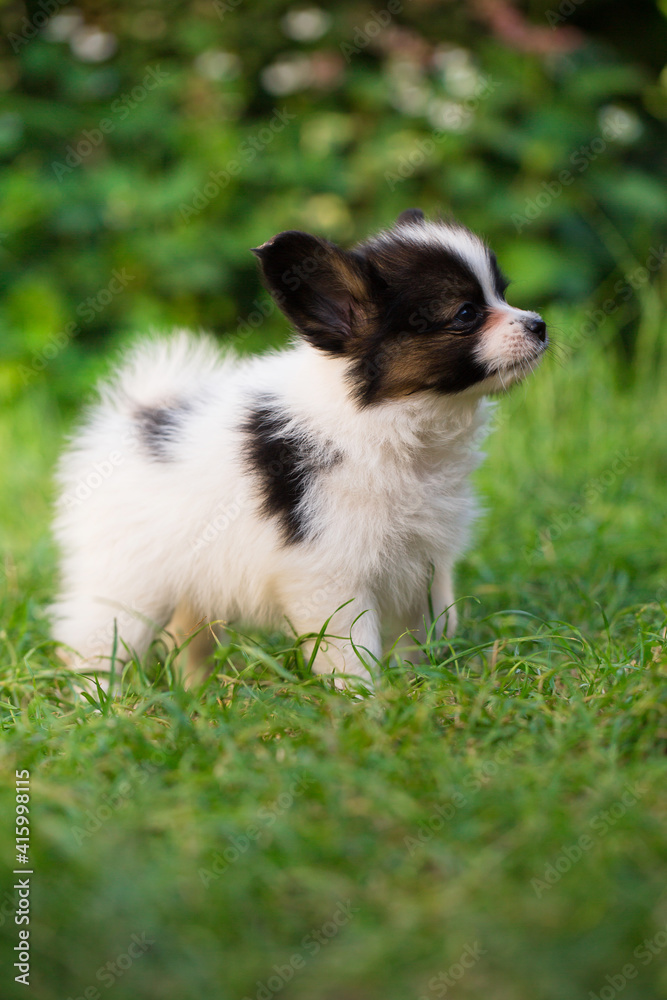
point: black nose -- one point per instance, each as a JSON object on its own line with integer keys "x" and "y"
{"x": 538, "y": 327}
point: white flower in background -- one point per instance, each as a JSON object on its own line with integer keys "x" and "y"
{"x": 624, "y": 125}
{"x": 410, "y": 98}
{"x": 408, "y": 91}
{"x": 61, "y": 27}
{"x": 90, "y": 44}
{"x": 459, "y": 74}
{"x": 306, "y": 25}
{"x": 288, "y": 75}
{"x": 449, "y": 115}
{"x": 218, "y": 65}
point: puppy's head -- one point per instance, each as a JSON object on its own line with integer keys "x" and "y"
{"x": 419, "y": 308}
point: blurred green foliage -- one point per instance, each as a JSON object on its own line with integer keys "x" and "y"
{"x": 148, "y": 146}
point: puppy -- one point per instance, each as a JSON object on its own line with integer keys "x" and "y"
{"x": 327, "y": 480}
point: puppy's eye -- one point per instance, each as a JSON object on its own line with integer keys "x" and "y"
{"x": 467, "y": 313}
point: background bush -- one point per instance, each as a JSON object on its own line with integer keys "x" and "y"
{"x": 476, "y": 109}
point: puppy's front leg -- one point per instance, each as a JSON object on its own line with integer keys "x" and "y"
{"x": 352, "y": 637}
{"x": 442, "y": 601}
{"x": 195, "y": 661}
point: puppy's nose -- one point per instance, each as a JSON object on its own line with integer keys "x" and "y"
{"x": 537, "y": 326}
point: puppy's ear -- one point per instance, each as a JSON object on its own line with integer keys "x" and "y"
{"x": 324, "y": 290}
{"x": 410, "y": 216}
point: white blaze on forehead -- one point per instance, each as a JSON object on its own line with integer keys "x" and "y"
{"x": 456, "y": 240}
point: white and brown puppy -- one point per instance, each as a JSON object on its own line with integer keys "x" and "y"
{"x": 274, "y": 490}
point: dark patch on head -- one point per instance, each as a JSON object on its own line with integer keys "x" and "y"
{"x": 389, "y": 306}
{"x": 399, "y": 368}
{"x": 417, "y": 343}
{"x": 159, "y": 428}
{"x": 286, "y": 462}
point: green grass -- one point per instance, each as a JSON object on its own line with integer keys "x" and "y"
{"x": 502, "y": 799}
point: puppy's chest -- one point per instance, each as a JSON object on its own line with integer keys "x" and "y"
{"x": 407, "y": 497}
{"x": 315, "y": 488}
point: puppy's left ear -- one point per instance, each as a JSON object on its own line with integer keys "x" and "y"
{"x": 324, "y": 290}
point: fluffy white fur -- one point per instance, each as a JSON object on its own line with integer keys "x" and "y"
{"x": 139, "y": 538}
{"x": 143, "y": 540}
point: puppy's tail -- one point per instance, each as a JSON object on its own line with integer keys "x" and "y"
{"x": 161, "y": 370}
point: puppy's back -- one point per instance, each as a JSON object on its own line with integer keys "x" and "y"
{"x": 159, "y": 371}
